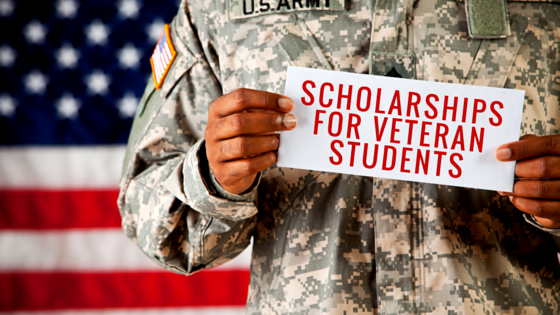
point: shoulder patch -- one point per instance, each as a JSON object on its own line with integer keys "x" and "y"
{"x": 241, "y": 9}
{"x": 163, "y": 57}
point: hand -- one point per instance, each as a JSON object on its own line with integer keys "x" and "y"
{"x": 240, "y": 135}
{"x": 537, "y": 191}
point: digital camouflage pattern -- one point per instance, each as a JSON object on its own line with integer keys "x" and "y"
{"x": 339, "y": 244}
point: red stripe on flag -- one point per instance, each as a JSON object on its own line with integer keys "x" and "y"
{"x": 164, "y": 55}
{"x": 50, "y": 291}
{"x": 58, "y": 209}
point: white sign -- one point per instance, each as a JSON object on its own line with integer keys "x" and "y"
{"x": 402, "y": 129}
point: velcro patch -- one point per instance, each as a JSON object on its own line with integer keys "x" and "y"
{"x": 163, "y": 57}
{"x": 241, "y": 9}
{"x": 487, "y": 19}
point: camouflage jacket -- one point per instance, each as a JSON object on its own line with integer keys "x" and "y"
{"x": 339, "y": 244}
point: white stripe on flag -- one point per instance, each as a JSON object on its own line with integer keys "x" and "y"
{"x": 168, "y": 50}
{"x": 160, "y": 66}
{"x": 81, "y": 250}
{"x": 156, "y": 62}
{"x": 61, "y": 167}
{"x": 156, "y": 65}
{"x": 164, "y": 55}
{"x": 167, "y": 53}
{"x": 153, "y": 311}
{"x": 164, "y": 60}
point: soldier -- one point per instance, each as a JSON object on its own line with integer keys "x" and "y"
{"x": 199, "y": 179}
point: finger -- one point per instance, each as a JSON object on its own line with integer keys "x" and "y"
{"x": 545, "y": 210}
{"x": 540, "y": 189}
{"x": 231, "y": 173}
{"x": 528, "y": 136}
{"x": 245, "y": 99}
{"x": 529, "y": 148}
{"x": 253, "y": 123}
{"x": 240, "y": 147}
{"x": 548, "y": 223}
{"x": 542, "y": 167}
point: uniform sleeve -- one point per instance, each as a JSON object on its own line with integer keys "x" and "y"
{"x": 554, "y": 233}
{"x": 169, "y": 206}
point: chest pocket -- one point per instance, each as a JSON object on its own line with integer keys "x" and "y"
{"x": 536, "y": 69}
{"x": 448, "y": 54}
{"x": 289, "y": 43}
{"x": 526, "y": 60}
{"x": 495, "y": 57}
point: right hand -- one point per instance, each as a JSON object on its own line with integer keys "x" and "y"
{"x": 240, "y": 135}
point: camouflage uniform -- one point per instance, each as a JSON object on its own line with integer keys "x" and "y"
{"x": 333, "y": 243}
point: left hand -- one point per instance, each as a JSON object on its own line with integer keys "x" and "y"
{"x": 537, "y": 191}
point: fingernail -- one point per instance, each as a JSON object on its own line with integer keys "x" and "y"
{"x": 503, "y": 154}
{"x": 511, "y": 198}
{"x": 290, "y": 121}
{"x": 500, "y": 193}
{"x": 285, "y": 103}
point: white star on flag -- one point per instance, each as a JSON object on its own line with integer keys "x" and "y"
{"x": 129, "y": 9}
{"x": 6, "y": 7}
{"x": 129, "y": 56}
{"x": 7, "y": 56}
{"x": 97, "y": 33}
{"x": 98, "y": 82}
{"x": 155, "y": 29}
{"x": 7, "y": 105}
{"x": 67, "y": 8}
{"x": 67, "y": 106}
{"x": 35, "y": 32}
{"x": 67, "y": 56}
{"x": 36, "y": 82}
{"x": 127, "y": 105}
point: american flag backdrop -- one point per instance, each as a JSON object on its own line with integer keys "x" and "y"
{"x": 71, "y": 75}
